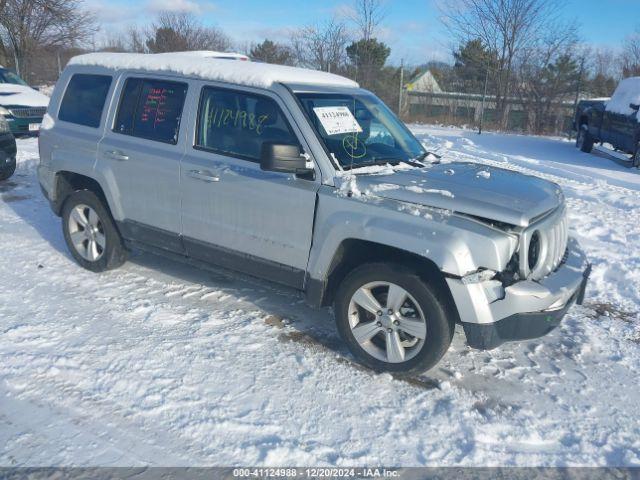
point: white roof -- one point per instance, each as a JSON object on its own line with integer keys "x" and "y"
{"x": 261, "y": 75}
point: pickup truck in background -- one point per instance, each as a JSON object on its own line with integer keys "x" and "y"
{"x": 614, "y": 121}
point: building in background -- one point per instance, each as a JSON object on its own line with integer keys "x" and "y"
{"x": 425, "y": 101}
{"x": 424, "y": 82}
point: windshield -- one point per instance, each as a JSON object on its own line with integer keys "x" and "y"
{"x": 360, "y": 130}
{"x": 7, "y": 76}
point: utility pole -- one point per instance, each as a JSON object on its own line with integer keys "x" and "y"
{"x": 401, "y": 86}
{"x": 578, "y": 87}
{"x": 484, "y": 96}
{"x": 59, "y": 64}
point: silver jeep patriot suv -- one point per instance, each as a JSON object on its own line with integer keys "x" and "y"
{"x": 303, "y": 178}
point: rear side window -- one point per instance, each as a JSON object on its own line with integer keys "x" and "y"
{"x": 238, "y": 123}
{"x": 151, "y": 109}
{"x": 84, "y": 99}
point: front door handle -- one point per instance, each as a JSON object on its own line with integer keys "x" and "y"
{"x": 203, "y": 175}
{"x": 116, "y": 155}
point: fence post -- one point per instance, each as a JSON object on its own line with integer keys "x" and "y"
{"x": 578, "y": 87}
{"x": 401, "y": 87}
{"x": 484, "y": 95}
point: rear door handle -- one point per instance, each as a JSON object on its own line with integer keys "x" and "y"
{"x": 116, "y": 155}
{"x": 203, "y": 175}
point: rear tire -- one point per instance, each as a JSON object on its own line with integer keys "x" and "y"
{"x": 635, "y": 159}
{"x": 584, "y": 141}
{"x": 90, "y": 233}
{"x": 8, "y": 169}
{"x": 386, "y": 341}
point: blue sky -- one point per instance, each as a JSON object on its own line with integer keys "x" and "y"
{"x": 412, "y": 27}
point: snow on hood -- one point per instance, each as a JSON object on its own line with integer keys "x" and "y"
{"x": 262, "y": 75}
{"x": 12, "y": 94}
{"x": 469, "y": 188}
{"x": 628, "y": 92}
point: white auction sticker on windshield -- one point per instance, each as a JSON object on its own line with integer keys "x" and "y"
{"x": 337, "y": 120}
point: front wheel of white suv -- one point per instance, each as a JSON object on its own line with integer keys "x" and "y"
{"x": 392, "y": 320}
{"x": 90, "y": 233}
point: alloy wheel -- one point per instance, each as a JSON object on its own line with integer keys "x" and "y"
{"x": 87, "y": 233}
{"x": 387, "y": 322}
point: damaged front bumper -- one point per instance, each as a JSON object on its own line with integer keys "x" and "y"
{"x": 492, "y": 315}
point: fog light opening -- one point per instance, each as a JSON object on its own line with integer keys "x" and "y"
{"x": 533, "y": 254}
{"x": 478, "y": 277}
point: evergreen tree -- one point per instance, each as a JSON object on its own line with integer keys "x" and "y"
{"x": 601, "y": 85}
{"x": 471, "y": 61}
{"x": 271, "y": 52}
{"x": 368, "y": 57}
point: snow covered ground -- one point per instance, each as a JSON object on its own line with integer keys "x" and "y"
{"x": 158, "y": 363}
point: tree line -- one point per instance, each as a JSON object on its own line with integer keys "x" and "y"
{"x": 510, "y": 49}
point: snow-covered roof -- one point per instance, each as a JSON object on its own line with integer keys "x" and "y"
{"x": 628, "y": 92}
{"x": 210, "y": 54}
{"x": 261, "y": 75}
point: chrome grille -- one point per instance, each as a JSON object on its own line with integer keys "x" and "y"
{"x": 28, "y": 112}
{"x": 554, "y": 235}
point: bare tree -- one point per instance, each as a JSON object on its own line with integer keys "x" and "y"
{"x": 506, "y": 28}
{"x": 3, "y": 50}
{"x": 113, "y": 43}
{"x": 322, "y": 47}
{"x": 136, "y": 40}
{"x": 367, "y": 15}
{"x": 603, "y": 62}
{"x": 180, "y": 31}
{"x": 26, "y": 25}
{"x": 549, "y": 72}
{"x": 630, "y": 57}
{"x": 367, "y": 54}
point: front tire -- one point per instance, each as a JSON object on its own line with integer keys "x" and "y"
{"x": 392, "y": 320}
{"x": 584, "y": 141}
{"x": 8, "y": 169}
{"x": 90, "y": 233}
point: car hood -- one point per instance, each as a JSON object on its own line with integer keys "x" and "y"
{"x": 488, "y": 192}
{"x": 21, "y": 95}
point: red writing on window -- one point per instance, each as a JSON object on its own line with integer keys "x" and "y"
{"x": 154, "y": 109}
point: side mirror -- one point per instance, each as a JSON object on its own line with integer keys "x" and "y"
{"x": 283, "y": 158}
{"x": 634, "y": 106}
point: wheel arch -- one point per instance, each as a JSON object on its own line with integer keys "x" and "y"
{"x": 352, "y": 253}
{"x": 67, "y": 182}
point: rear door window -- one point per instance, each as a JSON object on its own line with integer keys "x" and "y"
{"x": 84, "y": 99}
{"x": 236, "y": 123}
{"x": 151, "y": 109}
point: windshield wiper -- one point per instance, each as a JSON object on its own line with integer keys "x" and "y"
{"x": 369, "y": 163}
{"x": 424, "y": 155}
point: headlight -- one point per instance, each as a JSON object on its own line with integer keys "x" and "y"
{"x": 4, "y": 111}
{"x": 4, "y": 125}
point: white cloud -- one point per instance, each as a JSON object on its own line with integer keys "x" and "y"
{"x": 344, "y": 11}
{"x": 188, "y": 6}
{"x": 107, "y": 14}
